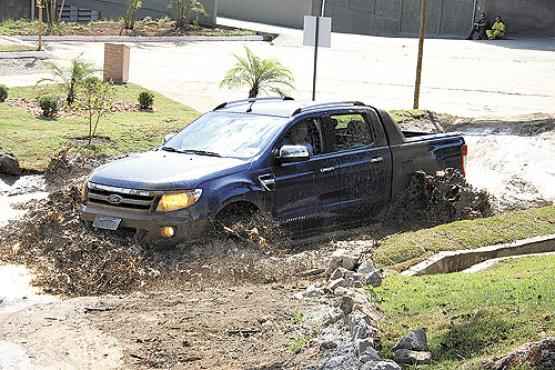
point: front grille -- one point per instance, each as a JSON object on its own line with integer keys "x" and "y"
{"x": 120, "y": 197}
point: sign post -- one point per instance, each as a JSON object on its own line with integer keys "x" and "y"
{"x": 317, "y": 33}
{"x": 422, "y": 34}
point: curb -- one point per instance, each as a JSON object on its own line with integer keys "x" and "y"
{"x": 445, "y": 262}
{"x": 41, "y": 55}
{"x": 140, "y": 39}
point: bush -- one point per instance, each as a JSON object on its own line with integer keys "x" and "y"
{"x": 146, "y": 100}
{"x": 3, "y": 93}
{"x": 50, "y": 105}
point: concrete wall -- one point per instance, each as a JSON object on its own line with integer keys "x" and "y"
{"x": 400, "y": 17}
{"x": 288, "y": 13}
{"x": 15, "y": 9}
{"x": 151, "y": 8}
{"x": 525, "y": 17}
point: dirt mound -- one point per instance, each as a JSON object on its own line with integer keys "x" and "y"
{"x": 538, "y": 355}
{"x": 72, "y": 259}
{"x": 68, "y": 164}
{"x": 441, "y": 198}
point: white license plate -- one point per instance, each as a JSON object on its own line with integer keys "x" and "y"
{"x": 106, "y": 222}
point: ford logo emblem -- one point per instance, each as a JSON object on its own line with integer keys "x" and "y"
{"x": 115, "y": 199}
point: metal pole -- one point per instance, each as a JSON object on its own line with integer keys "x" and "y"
{"x": 39, "y": 3}
{"x": 316, "y": 42}
{"x": 474, "y": 13}
{"x": 32, "y": 10}
{"x": 423, "y": 7}
{"x": 323, "y": 8}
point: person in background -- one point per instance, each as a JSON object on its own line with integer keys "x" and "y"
{"x": 479, "y": 30}
{"x": 498, "y": 29}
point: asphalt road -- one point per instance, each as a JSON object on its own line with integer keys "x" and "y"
{"x": 471, "y": 78}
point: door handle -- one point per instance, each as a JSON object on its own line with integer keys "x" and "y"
{"x": 327, "y": 169}
{"x": 376, "y": 160}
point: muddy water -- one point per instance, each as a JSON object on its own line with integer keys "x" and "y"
{"x": 518, "y": 170}
{"x": 16, "y": 190}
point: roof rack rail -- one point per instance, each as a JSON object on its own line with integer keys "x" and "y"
{"x": 252, "y": 100}
{"x": 326, "y": 105}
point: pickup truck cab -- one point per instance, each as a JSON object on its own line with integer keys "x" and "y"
{"x": 300, "y": 163}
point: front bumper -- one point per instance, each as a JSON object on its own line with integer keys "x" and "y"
{"x": 189, "y": 225}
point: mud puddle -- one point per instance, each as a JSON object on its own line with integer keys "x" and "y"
{"x": 17, "y": 190}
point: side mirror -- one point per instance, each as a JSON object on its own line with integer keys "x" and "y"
{"x": 168, "y": 137}
{"x": 293, "y": 153}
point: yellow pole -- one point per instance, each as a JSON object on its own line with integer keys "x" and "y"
{"x": 423, "y": 7}
{"x": 39, "y": 5}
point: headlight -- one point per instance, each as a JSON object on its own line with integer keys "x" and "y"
{"x": 175, "y": 201}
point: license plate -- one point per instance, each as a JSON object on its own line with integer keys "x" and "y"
{"x": 106, "y": 223}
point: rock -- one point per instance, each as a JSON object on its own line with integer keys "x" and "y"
{"x": 334, "y": 284}
{"x": 338, "y": 273}
{"x": 333, "y": 316}
{"x": 370, "y": 355}
{"x": 366, "y": 267}
{"x": 405, "y": 356}
{"x": 328, "y": 344}
{"x": 340, "y": 292}
{"x": 415, "y": 340}
{"x": 381, "y": 365}
{"x": 374, "y": 278}
{"x": 312, "y": 291}
{"x": 360, "y": 326}
{"x": 536, "y": 355}
{"x": 342, "y": 258}
{"x": 9, "y": 165}
{"x": 346, "y": 304}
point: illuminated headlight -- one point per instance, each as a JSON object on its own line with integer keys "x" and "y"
{"x": 181, "y": 200}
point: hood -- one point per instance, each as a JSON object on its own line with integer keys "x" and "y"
{"x": 160, "y": 170}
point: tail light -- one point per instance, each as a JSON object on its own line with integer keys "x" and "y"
{"x": 464, "y": 153}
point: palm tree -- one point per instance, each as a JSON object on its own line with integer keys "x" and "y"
{"x": 259, "y": 75}
{"x": 72, "y": 77}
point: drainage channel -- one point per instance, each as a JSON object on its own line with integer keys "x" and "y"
{"x": 456, "y": 261}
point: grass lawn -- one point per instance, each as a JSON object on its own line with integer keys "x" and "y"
{"x": 15, "y": 47}
{"x": 471, "y": 317}
{"x": 403, "y": 250}
{"x": 35, "y": 140}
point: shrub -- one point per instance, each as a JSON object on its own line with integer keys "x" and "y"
{"x": 50, "y": 105}
{"x": 146, "y": 100}
{"x": 3, "y": 93}
{"x": 97, "y": 99}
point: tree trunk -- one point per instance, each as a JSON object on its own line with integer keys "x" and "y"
{"x": 253, "y": 93}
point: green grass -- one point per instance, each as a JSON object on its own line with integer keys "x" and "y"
{"x": 297, "y": 344}
{"x": 472, "y": 317}
{"x": 35, "y": 140}
{"x": 15, "y": 47}
{"x": 404, "y": 249}
{"x": 404, "y": 115}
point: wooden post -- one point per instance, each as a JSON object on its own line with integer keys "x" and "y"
{"x": 423, "y": 15}
{"x": 41, "y": 29}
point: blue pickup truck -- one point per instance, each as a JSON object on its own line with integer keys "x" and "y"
{"x": 300, "y": 163}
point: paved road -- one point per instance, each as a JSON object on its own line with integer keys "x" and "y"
{"x": 460, "y": 77}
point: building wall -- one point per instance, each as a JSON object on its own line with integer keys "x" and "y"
{"x": 524, "y": 17}
{"x": 288, "y": 13}
{"x": 15, "y": 9}
{"x": 151, "y": 8}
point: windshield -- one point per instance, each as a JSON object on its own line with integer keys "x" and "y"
{"x": 226, "y": 134}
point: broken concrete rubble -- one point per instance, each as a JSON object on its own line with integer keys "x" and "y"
{"x": 536, "y": 355}
{"x": 405, "y": 356}
{"x": 381, "y": 365}
{"x": 415, "y": 340}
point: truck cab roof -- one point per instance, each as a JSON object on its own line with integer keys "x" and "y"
{"x": 285, "y": 107}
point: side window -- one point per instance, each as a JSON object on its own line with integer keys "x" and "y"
{"x": 307, "y": 133}
{"x": 346, "y": 132}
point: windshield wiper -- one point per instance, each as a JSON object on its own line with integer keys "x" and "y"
{"x": 201, "y": 152}
{"x": 191, "y": 151}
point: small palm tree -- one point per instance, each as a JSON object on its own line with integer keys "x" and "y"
{"x": 259, "y": 75}
{"x": 72, "y": 77}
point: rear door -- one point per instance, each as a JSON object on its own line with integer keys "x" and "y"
{"x": 356, "y": 146}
